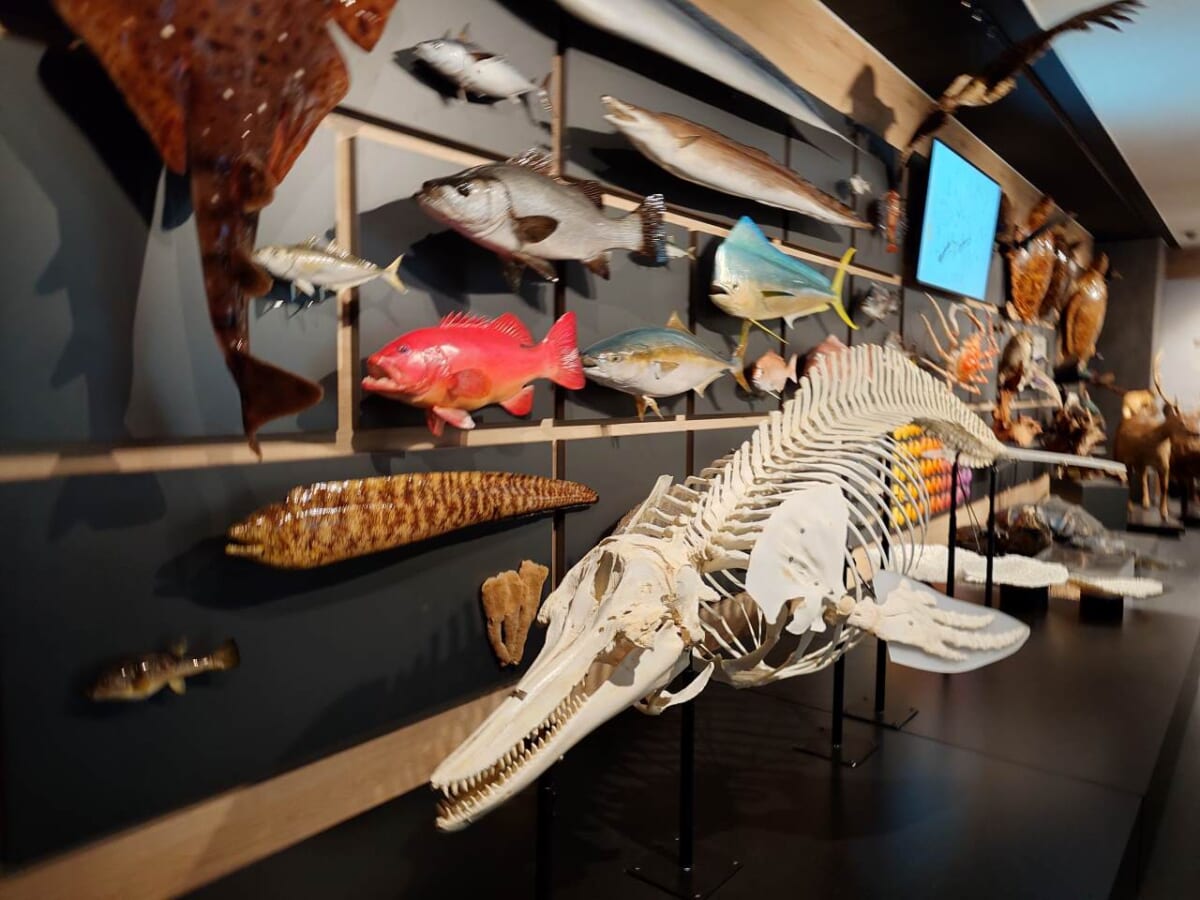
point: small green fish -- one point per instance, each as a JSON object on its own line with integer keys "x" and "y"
{"x": 141, "y": 677}
{"x": 657, "y": 362}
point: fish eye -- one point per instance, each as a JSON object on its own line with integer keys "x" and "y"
{"x": 464, "y": 189}
{"x": 404, "y": 349}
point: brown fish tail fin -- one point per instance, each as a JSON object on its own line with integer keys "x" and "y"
{"x": 226, "y": 656}
{"x": 566, "y": 366}
{"x": 654, "y": 233}
{"x": 268, "y": 392}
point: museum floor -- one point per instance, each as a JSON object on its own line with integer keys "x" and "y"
{"x": 1071, "y": 770}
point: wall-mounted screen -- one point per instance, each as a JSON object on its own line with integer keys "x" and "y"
{"x": 959, "y": 229}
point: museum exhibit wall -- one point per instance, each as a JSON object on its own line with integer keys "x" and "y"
{"x": 123, "y": 462}
{"x": 1178, "y": 338}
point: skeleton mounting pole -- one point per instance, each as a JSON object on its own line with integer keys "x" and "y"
{"x": 989, "y": 581}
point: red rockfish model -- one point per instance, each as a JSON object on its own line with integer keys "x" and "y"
{"x": 468, "y": 362}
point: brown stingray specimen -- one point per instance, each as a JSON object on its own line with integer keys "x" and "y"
{"x": 331, "y": 521}
{"x": 1083, "y": 316}
{"x": 1031, "y": 264}
{"x": 510, "y": 601}
{"x": 231, "y": 91}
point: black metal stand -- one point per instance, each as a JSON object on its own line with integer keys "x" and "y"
{"x": 833, "y": 744}
{"x": 877, "y": 712}
{"x": 989, "y": 582}
{"x": 952, "y": 543}
{"x": 682, "y": 876}
{"x": 544, "y": 864}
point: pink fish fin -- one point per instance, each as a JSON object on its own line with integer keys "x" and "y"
{"x": 364, "y": 20}
{"x": 791, "y": 368}
{"x": 566, "y": 368}
{"x": 463, "y": 320}
{"x": 470, "y": 384}
{"x": 599, "y": 265}
{"x": 536, "y": 159}
{"x": 459, "y": 418}
{"x": 509, "y": 324}
{"x": 520, "y": 403}
{"x": 435, "y": 424}
{"x": 542, "y": 266}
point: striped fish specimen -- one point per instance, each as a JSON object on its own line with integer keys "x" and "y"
{"x": 331, "y": 521}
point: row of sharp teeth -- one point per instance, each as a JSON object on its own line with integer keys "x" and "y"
{"x": 462, "y": 796}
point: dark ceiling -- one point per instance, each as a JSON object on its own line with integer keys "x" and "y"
{"x": 1045, "y": 129}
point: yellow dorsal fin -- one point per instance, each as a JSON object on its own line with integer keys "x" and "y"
{"x": 677, "y": 323}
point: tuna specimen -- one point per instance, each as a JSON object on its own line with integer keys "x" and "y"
{"x": 469, "y": 362}
{"x": 519, "y": 211}
{"x": 698, "y": 154}
{"x": 657, "y": 362}
{"x": 476, "y": 71}
{"x": 231, "y": 93}
{"x": 332, "y": 521}
{"x": 763, "y": 567}
{"x": 143, "y": 676}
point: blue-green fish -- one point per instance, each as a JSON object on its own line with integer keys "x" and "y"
{"x": 756, "y": 281}
{"x": 657, "y": 362}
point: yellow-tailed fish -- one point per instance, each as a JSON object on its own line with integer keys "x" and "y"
{"x": 657, "y": 362}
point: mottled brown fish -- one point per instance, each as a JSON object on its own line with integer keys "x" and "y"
{"x": 231, "y": 93}
{"x": 143, "y": 676}
{"x": 328, "y": 522}
{"x": 1031, "y": 263}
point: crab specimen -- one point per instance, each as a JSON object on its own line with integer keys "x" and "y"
{"x": 965, "y": 361}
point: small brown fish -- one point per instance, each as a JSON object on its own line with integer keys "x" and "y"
{"x": 771, "y": 373}
{"x": 143, "y": 676}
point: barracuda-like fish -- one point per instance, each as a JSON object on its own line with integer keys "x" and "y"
{"x": 478, "y": 71}
{"x": 519, "y": 211}
{"x": 698, "y": 154}
{"x": 679, "y": 31}
{"x": 657, "y": 362}
{"x": 756, "y": 281}
{"x": 309, "y": 266}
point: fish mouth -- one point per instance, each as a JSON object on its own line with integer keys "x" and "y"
{"x": 618, "y": 112}
{"x": 379, "y": 381}
{"x": 716, "y": 289}
{"x": 589, "y": 362}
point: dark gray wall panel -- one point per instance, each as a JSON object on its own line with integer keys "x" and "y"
{"x": 710, "y": 446}
{"x": 872, "y": 245}
{"x": 596, "y": 150}
{"x": 389, "y": 82}
{"x": 636, "y": 296}
{"x": 869, "y": 331}
{"x": 622, "y": 470}
{"x": 828, "y": 163}
{"x": 97, "y": 568}
{"x": 445, "y": 272}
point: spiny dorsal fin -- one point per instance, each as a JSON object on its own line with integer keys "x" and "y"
{"x": 465, "y": 34}
{"x": 536, "y": 159}
{"x": 592, "y": 191}
{"x": 508, "y": 324}
{"x": 677, "y": 323}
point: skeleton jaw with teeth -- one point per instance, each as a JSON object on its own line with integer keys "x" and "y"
{"x": 620, "y": 628}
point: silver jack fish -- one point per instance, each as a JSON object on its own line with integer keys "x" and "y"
{"x": 680, "y": 31}
{"x": 698, "y": 154}
{"x": 657, "y": 362}
{"x": 756, "y": 281}
{"x": 476, "y": 71}
{"x": 517, "y": 210}
{"x": 309, "y": 266}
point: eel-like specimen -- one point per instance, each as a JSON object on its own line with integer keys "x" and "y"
{"x": 331, "y": 521}
{"x": 231, "y": 92}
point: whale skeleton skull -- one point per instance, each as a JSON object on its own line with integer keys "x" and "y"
{"x": 758, "y": 569}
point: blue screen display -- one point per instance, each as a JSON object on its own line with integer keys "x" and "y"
{"x": 961, "y": 209}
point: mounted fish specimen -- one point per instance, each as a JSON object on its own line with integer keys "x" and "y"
{"x": 1083, "y": 316}
{"x": 310, "y": 267}
{"x": 879, "y": 303}
{"x": 1062, "y": 282}
{"x": 698, "y": 154}
{"x": 758, "y": 569}
{"x": 519, "y": 211}
{"x": 476, "y": 71}
{"x": 1031, "y": 262}
{"x": 510, "y": 601}
{"x": 829, "y": 345}
{"x": 999, "y": 79}
{"x": 891, "y": 219}
{"x": 230, "y": 93}
{"x": 469, "y": 362}
{"x": 143, "y": 676}
{"x": 678, "y": 30}
{"x": 771, "y": 373}
{"x": 755, "y": 281}
{"x": 657, "y": 362}
{"x": 963, "y": 362}
{"x": 332, "y": 521}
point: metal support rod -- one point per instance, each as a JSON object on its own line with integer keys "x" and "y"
{"x": 953, "y": 527}
{"x": 544, "y": 874}
{"x": 687, "y": 788}
{"x": 839, "y": 703}
{"x": 991, "y": 535}
{"x": 881, "y": 661}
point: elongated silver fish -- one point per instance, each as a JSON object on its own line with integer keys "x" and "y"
{"x": 519, "y": 211}
{"x": 657, "y": 362}
{"x": 698, "y": 154}
{"x": 310, "y": 266}
{"x": 477, "y": 71}
{"x": 679, "y": 31}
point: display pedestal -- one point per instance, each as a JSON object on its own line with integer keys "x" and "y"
{"x": 1104, "y": 498}
{"x": 878, "y": 712}
{"x": 1096, "y": 609}
{"x": 1018, "y": 601}
{"x": 833, "y": 743}
{"x": 1148, "y": 521}
{"x": 544, "y": 851}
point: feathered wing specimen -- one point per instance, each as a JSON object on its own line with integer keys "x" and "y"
{"x": 766, "y": 555}
{"x": 999, "y": 79}
{"x": 231, "y": 93}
